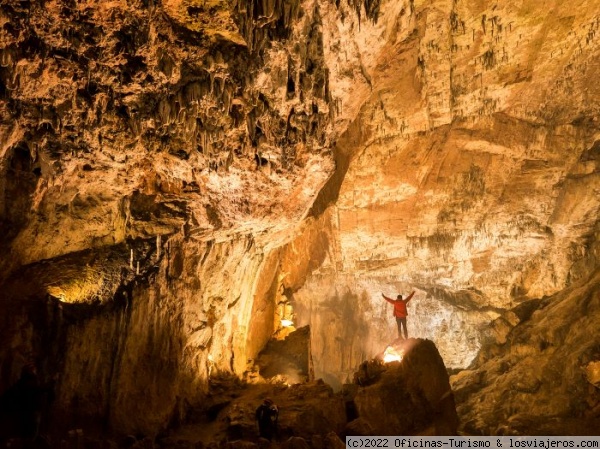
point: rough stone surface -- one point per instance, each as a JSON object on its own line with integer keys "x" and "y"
{"x": 538, "y": 381}
{"x": 172, "y": 172}
{"x": 137, "y": 120}
{"x": 154, "y": 156}
{"x": 410, "y": 397}
{"x": 305, "y": 410}
{"x": 288, "y": 359}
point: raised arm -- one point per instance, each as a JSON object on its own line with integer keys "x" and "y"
{"x": 390, "y": 300}
{"x": 410, "y": 296}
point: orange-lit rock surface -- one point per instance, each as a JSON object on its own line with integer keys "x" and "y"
{"x": 411, "y": 396}
{"x": 175, "y": 174}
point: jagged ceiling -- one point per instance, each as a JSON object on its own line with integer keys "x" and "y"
{"x": 465, "y": 133}
{"x": 130, "y": 119}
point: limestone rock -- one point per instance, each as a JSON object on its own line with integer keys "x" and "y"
{"x": 592, "y": 372}
{"x": 333, "y": 441}
{"x": 241, "y": 445}
{"x": 305, "y": 410}
{"x": 409, "y": 397}
{"x": 169, "y": 170}
{"x": 295, "y": 443}
{"x": 289, "y": 359}
{"x": 540, "y": 381}
{"x": 359, "y": 427}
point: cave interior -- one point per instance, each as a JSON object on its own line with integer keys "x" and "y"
{"x": 202, "y": 203}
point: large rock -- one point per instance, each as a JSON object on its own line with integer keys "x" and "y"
{"x": 543, "y": 379}
{"x": 410, "y": 397}
{"x": 288, "y": 359}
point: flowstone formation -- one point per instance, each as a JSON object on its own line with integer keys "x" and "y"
{"x": 154, "y": 156}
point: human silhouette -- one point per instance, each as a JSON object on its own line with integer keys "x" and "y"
{"x": 267, "y": 415}
{"x": 400, "y": 312}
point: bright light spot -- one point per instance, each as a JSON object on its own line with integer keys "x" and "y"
{"x": 210, "y": 364}
{"x": 392, "y": 355}
{"x": 287, "y": 323}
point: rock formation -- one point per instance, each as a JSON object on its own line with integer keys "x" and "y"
{"x": 179, "y": 176}
{"x": 153, "y": 160}
{"x": 407, "y": 397}
{"x": 536, "y": 374}
{"x": 289, "y": 359}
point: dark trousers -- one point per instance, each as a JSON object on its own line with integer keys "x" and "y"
{"x": 267, "y": 430}
{"x": 402, "y": 322}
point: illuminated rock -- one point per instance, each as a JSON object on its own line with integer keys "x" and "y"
{"x": 411, "y": 397}
{"x": 171, "y": 171}
{"x": 288, "y": 360}
{"x": 540, "y": 381}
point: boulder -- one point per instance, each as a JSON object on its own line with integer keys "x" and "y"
{"x": 295, "y": 443}
{"x": 359, "y": 427}
{"x": 332, "y": 441}
{"x": 409, "y": 397}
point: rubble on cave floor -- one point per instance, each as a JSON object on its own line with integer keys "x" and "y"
{"x": 411, "y": 397}
{"x": 305, "y": 410}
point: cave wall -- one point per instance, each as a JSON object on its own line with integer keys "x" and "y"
{"x": 154, "y": 157}
{"x": 466, "y": 169}
{"x": 183, "y": 323}
{"x": 248, "y": 154}
{"x": 535, "y": 372}
{"x": 143, "y": 359}
{"x": 475, "y": 183}
{"x": 349, "y": 319}
{"x": 473, "y": 151}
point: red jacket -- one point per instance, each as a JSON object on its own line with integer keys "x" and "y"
{"x": 399, "y": 305}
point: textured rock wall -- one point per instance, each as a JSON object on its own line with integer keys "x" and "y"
{"x": 454, "y": 182}
{"x": 467, "y": 170}
{"x": 126, "y": 120}
{"x": 141, "y": 360}
{"x": 199, "y": 139}
{"x": 533, "y": 374}
{"x": 153, "y": 158}
{"x": 350, "y": 321}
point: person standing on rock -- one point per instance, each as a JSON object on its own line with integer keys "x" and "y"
{"x": 267, "y": 415}
{"x": 400, "y": 312}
